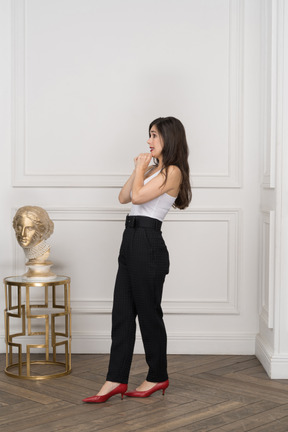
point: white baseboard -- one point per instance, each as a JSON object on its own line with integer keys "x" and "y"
{"x": 276, "y": 365}
{"x": 178, "y": 343}
{"x": 212, "y": 343}
{"x": 193, "y": 343}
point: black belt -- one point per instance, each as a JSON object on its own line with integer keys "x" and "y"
{"x": 142, "y": 222}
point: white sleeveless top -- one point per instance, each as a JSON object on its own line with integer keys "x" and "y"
{"x": 156, "y": 208}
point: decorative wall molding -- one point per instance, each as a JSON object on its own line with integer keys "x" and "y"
{"x": 235, "y": 122}
{"x": 228, "y": 305}
{"x": 267, "y": 267}
{"x": 271, "y": 70}
{"x": 231, "y": 178}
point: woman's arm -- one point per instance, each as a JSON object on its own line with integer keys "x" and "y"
{"x": 143, "y": 193}
{"x": 124, "y": 195}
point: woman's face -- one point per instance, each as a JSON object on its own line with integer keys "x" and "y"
{"x": 27, "y": 233}
{"x": 155, "y": 142}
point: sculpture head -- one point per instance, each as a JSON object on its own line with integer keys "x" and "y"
{"x": 32, "y": 225}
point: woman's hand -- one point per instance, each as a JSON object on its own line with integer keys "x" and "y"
{"x": 142, "y": 161}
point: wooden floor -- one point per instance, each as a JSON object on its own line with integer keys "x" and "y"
{"x": 206, "y": 393}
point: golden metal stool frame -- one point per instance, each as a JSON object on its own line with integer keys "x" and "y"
{"x": 24, "y": 312}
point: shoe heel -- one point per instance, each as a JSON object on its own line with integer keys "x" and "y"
{"x": 163, "y": 392}
{"x": 122, "y": 395}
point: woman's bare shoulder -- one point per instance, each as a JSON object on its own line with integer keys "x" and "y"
{"x": 174, "y": 179}
{"x": 174, "y": 171}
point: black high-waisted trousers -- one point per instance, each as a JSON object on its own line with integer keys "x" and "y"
{"x": 143, "y": 265}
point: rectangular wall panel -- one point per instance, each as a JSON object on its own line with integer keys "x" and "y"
{"x": 71, "y": 111}
{"x": 269, "y": 52}
{"x": 204, "y": 250}
{"x": 267, "y": 267}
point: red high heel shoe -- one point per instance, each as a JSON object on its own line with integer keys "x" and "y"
{"x": 159, "y": 386}
{"x": 121, "y": 388}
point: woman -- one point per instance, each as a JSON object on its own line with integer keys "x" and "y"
{"x": 144, "y": 259}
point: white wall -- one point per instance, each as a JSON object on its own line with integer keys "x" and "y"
{"x": 272, "y": 340}
{"x": 80, "y": 86}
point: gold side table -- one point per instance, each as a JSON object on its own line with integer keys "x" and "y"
{"x": 51, "y": 309}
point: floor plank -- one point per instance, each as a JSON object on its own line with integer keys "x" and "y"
{"x": 206, "y": 393}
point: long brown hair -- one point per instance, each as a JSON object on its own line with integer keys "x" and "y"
{"x": 175, "y": 152}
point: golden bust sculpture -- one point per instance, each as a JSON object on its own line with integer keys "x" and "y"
{"x": 33, "y": 227}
